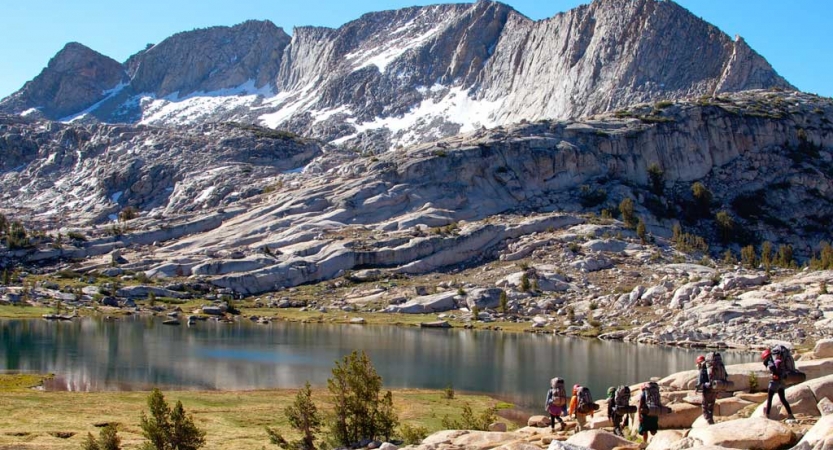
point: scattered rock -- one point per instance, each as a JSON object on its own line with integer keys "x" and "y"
{"x": 598, "y": 440}
{"x": 754, "y": 432}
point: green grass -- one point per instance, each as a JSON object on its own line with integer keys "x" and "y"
{"x": 232, "y": 419}
{"x": 23, "y": 312}
{"x": 15, "y": 382}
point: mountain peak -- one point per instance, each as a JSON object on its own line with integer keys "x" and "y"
{"x": 75, "y": 78}
{"x": 419, "y": 73}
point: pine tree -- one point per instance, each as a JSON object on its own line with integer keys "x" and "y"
{"x": 525, "y": 284}
{"x": 766, "y": 255}
{"x": 702, "y": 199}
{"x": 168, "y": 429}
{"x": 303, "y": 416}
{"x": 359, "y": 410}
{"x": 641, "y": 231}
{"x": 748, "y": 257}
{"x": 726, "y": 225}
{"x": 785, "y": 256}
{"x": 626, "y": 208}
{"x": 729, "y": 258}
{"x": 656, "y": 178}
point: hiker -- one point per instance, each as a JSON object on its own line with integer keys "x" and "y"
{"x": 556, "y": 404}
{"x": 581, "y": 405}
{"x": 611, "y": 402}
{"x": 621, "y": 408}
{"x": 709, "y": 394}
{"x": 712, "y": 380}
{"x": 650, "y": 407}
{"x": 778, "y": 369}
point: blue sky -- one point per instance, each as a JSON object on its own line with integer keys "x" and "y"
{"x": 796, "y": 36}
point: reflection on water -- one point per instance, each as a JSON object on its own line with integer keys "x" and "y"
{"x": 93, "y": 354}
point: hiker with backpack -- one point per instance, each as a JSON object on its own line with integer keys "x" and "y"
{"x": 778, "y": 361}
{"x": 611, "y": 402}
{"x": 581, "y": 405}
{"x": 619, "y": 407}
{"x": 650, "y": 408}
{"x": 712, "y": 380}
{"x": 556, "y": 404}
{"x": 709, "y": 394}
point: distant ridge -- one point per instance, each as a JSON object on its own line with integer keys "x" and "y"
{"x": 405, "y": 76}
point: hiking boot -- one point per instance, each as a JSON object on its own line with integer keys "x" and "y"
{"x": 766, "y": 412}
{"x": 563, "y": 426}
{"x": 790, "y": 418}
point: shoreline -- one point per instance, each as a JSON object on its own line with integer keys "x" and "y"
{"x": 336, "y": 317}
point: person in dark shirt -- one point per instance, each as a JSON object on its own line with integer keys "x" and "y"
{"x": 775, "y": 384}
{"x": 709, "y": 394}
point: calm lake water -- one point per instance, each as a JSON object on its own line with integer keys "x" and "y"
{"x": 93, "y": 354}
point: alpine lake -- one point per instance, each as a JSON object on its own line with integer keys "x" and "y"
{"x": 93, "y": 354}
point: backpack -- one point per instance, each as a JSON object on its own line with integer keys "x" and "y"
{"x": 622, "y": 401}
{"x": 559, "y": 392}
{"x": 718, "y": 378}
{"x": 585, "y": 404}
{"x": 785, "y": 365}
{"x": 653, "y": 402}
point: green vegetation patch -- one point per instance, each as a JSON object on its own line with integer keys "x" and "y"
{"x": 10, "y": 382}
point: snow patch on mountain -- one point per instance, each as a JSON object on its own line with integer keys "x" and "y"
{"x": 457, "y": 106}
{"x": 200, "y": 106}
{"x": 382, "y": 56}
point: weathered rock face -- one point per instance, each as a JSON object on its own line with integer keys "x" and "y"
{"x": 418, "y": 74}
{"x": 210, "y": 60}
{"x": 75, "y": 79}
{"x": 87, "y": 173}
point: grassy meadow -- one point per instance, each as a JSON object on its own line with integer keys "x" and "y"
{"x": 31, "y": 418}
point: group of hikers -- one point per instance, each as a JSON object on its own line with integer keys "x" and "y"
{"x": 711, "y": 381}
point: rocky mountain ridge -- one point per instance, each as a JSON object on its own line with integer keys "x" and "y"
{"x": 411, "y": 75}
{"x": 540, "y": 196}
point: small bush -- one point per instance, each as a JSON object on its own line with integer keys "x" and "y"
{"x": 656, "y": 179}
{"x": 413, "y": 434}
{"x": 748, "y": 257}
{"x": 725, "y": 225}
{"x": 641, "y": 231}
{"x": 687, "y": 242}
{"x": 128, "y": 213}
{"x": 468, "y": 421}
{"x": 628, "y": 216}
{"x": 753, "y": 381}
{"x": 702, "y": 199}
{"x": 590, "y": 198}
{"x": 729, "y": 258}
{"x": 448, "y": 392}
{"x": 525, "y": 284}
{"x": 17, "y": 237}
{"x": 108, "y": 439}
{"x": 504, "y": 302}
